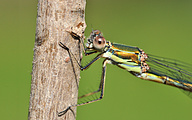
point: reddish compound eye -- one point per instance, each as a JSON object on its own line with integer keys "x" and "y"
{"x": 99, "y": 42}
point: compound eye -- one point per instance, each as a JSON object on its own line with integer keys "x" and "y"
{"x": 99, "y": 42}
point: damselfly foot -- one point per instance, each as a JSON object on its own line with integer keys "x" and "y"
{"x": 64, "y": 111}
{"x": 63, "y": 46}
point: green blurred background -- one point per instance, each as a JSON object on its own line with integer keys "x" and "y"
{"x": 160, "y": 27}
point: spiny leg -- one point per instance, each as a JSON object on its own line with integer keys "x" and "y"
{"x": 81, "y": 67}
{"x": 66, "y": 48}
{"x": 101, "y": 86}
{"x": 101, "y": 89}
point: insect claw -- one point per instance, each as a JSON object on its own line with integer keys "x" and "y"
{"x": 82, "y": 68}
{"x": 63, "y": 112}
{"x": 63, "y": 46}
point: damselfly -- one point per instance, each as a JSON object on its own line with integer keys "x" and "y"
{"x": 135, "y": 61}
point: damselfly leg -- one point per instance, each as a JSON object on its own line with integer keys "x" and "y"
{"x": 101, "y": 86}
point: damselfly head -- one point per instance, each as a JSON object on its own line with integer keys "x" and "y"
{"x": 96, "y": 40}
{"x": 94, "y": 34}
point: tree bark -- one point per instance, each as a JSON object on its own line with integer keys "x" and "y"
{"x": 54, "y": 84}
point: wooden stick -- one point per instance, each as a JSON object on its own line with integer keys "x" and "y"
{"x": 55, "y": 77}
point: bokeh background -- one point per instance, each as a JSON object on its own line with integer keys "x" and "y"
{"x": 160, "y": 27}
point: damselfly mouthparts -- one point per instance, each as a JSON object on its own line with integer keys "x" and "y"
{"x": 136, "y": 62}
